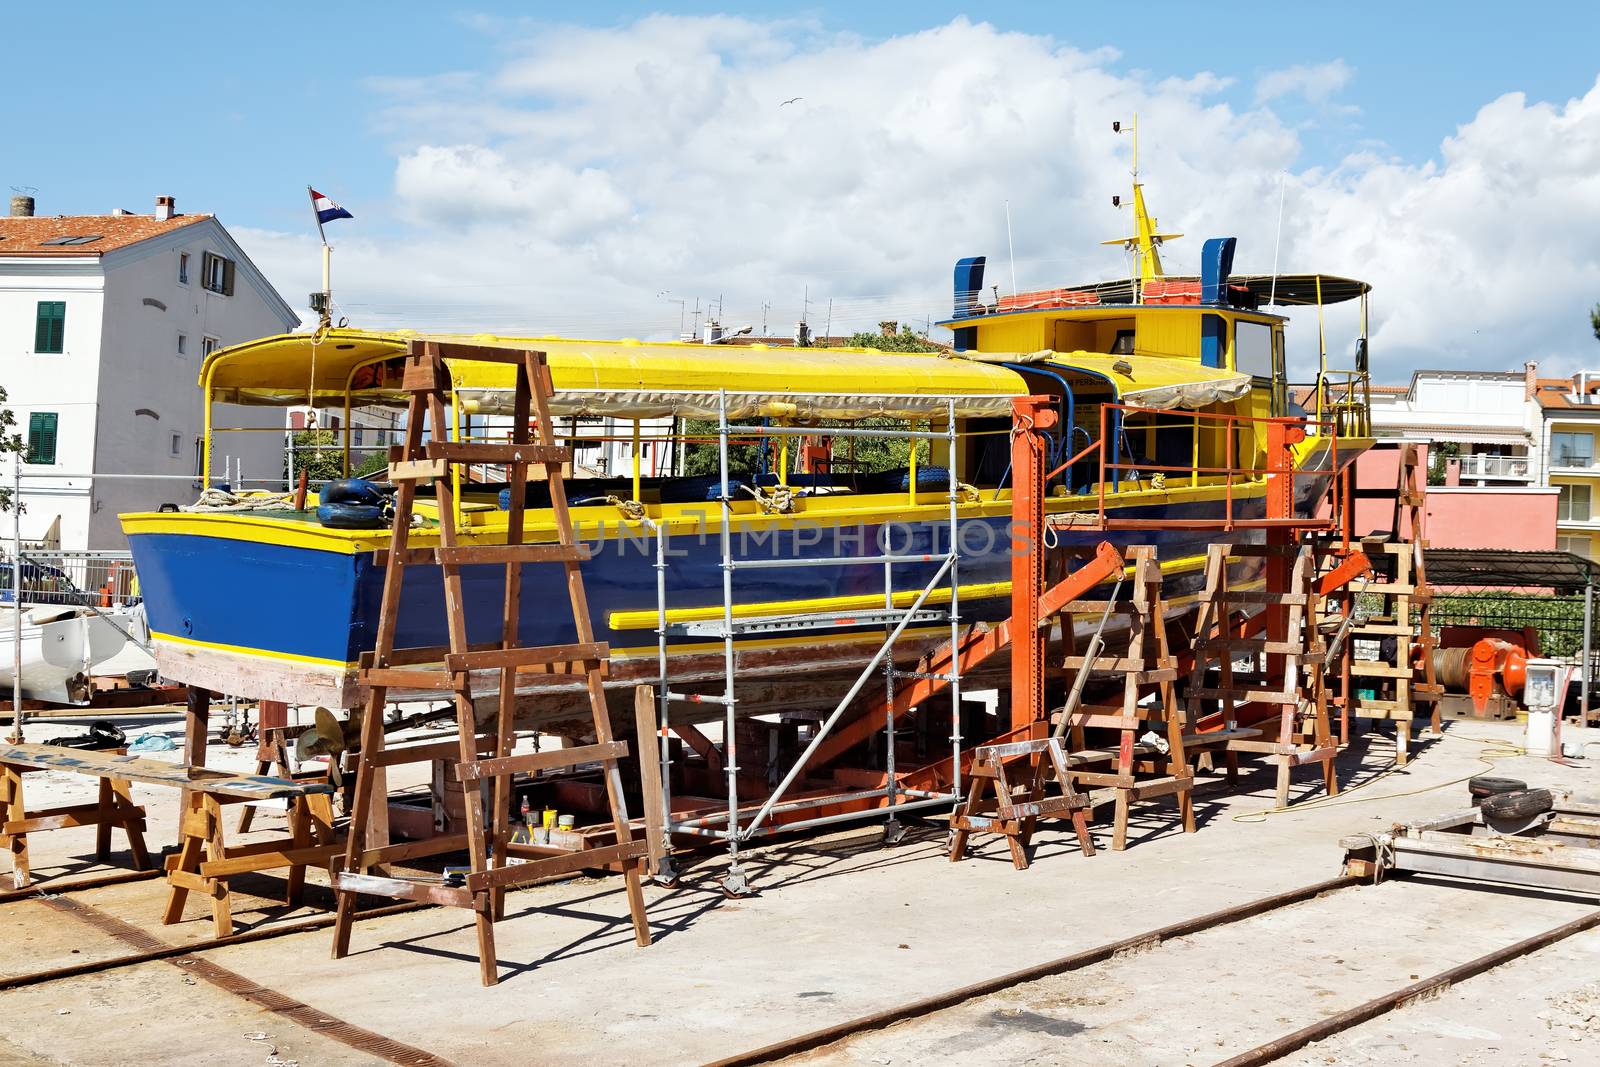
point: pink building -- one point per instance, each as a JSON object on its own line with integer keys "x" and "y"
{"x": 1517, "y": 517}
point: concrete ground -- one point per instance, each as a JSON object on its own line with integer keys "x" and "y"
{"x": 843, "y": 927}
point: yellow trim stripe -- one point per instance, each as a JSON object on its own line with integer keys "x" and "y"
{"x": 244, "y": 651}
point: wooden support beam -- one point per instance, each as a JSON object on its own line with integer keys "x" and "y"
{"x": 538, "y": 761}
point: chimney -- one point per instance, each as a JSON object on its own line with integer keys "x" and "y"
{"x": 166, "y": 207}
{"x": 1530, "y": 380}
{"x": 22, "y": 206}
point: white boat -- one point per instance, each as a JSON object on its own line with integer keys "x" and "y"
{"x": 64, "y": 647}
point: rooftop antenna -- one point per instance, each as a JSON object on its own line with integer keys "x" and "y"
{"x": 666, "y": 294}
{"x": 1146, "y": 240}
{"x": 1012, "y": 248}
{"x": 766, "y": 306}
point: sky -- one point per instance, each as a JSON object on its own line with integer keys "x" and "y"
{"x": 581, "y": 169}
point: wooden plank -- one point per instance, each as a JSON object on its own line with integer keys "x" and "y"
{"x": 407, "y": 850}
{"x": 534, "y": 870}
{"x": 156, "y": 772}
{"x": 1261, "y": 596}
{"x": 446, "y": 750}
{"x": 411, "y": 557}
{"x": 1373, "y": 669}
{"x": 1090, "y": 719}
{"x": 426, "y": 892}
{"x": 589, "y": 652}
{"x": 653, "y": 798}
{"x": 488, "y": 452}
{"x": 404, "y": 657}
{"x": 1245, "y": 695}
{"x": 66, "y": 818}
{"x": 270, "y": 859}
{"x": 1253, "y": 644}
{"x": 465, "y": 555}
{"x": 474, "y": 352}
{"x": 418, "y": 470}
{"x": 534, "y": 761}
{"x": 407, "y": 678}
{"x": 1091, "y": 607}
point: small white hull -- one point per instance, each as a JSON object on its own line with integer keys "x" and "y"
{"x": 63, "y": 648}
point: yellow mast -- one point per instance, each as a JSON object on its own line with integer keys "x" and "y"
{"x": 1146, "y": 240}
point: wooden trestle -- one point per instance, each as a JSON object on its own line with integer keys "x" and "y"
{"x": 1286, "y": 671}
{"x": 482, "y": 758}
{"x": 1397, "y": 639}
{"x": 1135, "y": 769}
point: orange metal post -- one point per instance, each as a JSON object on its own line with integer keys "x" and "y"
{"x": 1280, "y": 506}
{"x": 1030, "y": 416}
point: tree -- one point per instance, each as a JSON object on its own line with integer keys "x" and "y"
{"x": 1594, "y": 321}
{"x": 1439, "y": 455}
{"x": 318, "y": 453}
{"x": 10, "y": 442}
{"x": 902, "y": 341}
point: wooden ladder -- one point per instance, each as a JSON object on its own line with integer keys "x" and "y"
{"x": 1292, "y": 677}
{"x": 1404, "y": 595}
{"x": 481, "y": 758}
{"x": 1138, "y": 770}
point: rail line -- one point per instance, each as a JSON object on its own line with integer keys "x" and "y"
{"x": 1267, "y": 1052}
{"x": 150, "y": 948}
{"x": 1076, "y": 961}
{"x": 298, "y": 1012}
{"x": 1399, "y": 998}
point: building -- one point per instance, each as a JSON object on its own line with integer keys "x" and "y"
{"x": 1569, "y": 417}
{"x": 104, "y": 323}
{"x": 1482, "y": 420}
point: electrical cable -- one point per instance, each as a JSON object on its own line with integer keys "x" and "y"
{"x": 1493, "y": 747}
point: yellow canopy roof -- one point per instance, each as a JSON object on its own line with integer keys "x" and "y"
{"x": 625, "y": 378}
{"x": 1147, "y": 381}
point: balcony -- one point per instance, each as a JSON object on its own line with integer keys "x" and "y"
{"x": 1484, "y": 466}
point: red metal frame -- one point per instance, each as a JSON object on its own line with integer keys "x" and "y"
{"x": 1279, "y": 472}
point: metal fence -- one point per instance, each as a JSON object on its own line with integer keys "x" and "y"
{"x": 89, "y": 579}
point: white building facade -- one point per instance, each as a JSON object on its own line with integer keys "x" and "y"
{"x": 104, "y": 323}
{"x": 1488, "y": 416}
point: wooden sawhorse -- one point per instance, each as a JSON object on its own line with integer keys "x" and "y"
{"x": 1018, "y": 805}
{"x": 205, "y": 861}
{"x": 113, "y": 810}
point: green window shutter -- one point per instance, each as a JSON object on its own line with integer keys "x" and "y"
{"x": 50, "y": 327}
{"x": 42, "y": 437}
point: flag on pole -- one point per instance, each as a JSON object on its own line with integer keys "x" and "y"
{"x": 326, "y": 210}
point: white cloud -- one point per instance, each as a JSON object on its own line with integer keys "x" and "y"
{"x": 1314, "y": 82}
{"x": 562, "y": 190}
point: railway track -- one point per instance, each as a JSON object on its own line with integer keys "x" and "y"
{"x": 147, "y": 948}
{"x": 927, "y": 1008}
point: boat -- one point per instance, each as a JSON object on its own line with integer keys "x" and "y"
{"x": 1166, "y": 387}
{"x": 64, "y": 648}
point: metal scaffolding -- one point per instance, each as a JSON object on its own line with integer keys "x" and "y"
{"x": 729, "y": 826}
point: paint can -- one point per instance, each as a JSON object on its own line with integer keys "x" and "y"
{"x": 567, "y": 822}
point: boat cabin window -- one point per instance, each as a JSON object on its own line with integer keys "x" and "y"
{"x": 1123, "y": 345}
{"x": 1252, "y": 348}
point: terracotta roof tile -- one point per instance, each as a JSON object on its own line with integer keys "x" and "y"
{"x": 26, "y": 236}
